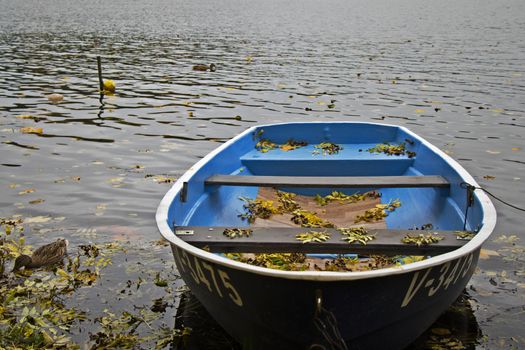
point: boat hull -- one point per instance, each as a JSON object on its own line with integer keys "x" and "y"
{"x": 377, "y": 309}
{"x": 264, "y": 311}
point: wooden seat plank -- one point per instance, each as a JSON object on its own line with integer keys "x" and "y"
{"x": 283, "y": 240}
{"x": 329, "y": 181}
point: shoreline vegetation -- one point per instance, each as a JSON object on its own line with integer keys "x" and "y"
{"x": 44, "y": 308}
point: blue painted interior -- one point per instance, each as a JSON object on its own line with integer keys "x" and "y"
{"x": 220, "y": 206}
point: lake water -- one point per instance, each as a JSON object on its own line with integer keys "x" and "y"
{"x": 451, "y": 71}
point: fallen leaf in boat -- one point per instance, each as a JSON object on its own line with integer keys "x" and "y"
{"x": 37, "y": 219}
{"x": 486, "y": 254}
{"x": 31, "y": 130}
{"x": 489, "y": 177}
{"x": 29, "y": 190}
{"x": 55, "y": 98}
{"x": 441, "y": 331}
{"x": 37, "y": 201}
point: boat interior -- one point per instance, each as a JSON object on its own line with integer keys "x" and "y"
{"x": 426, "y": 185}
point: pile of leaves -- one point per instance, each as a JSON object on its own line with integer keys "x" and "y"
{"x": 313, "y": 236}
{"x": 264, "y": 145}
{"x": 392, "y": 150}
{"x": 237, "y": 232}
{"x": 258, "y": 208}
{"x": 422, "y": 239}
{"x": 344, "y": 263}
{"x": 305, "y": 218}
{"x": 379, "y": 212}
{"x": 292, "y": 144}
{"x": 277, "y": 261}
{"x": 327, "y": 148}
{"x": 356, "y": 235}
{"x": 344, "y": 198}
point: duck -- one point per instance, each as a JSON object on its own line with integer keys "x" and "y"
{"x": 204, "y": 67}
{"x": 46, "y": 255}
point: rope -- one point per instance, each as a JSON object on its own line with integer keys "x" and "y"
{"x": 469, "y": 186}
{"x": 326, "y": 324}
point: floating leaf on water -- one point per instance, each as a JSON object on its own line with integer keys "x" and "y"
{"x": 489, "y": 177}
{"x": 37, "y": 219}
{"x": 328, "y": 148}
{"x": 37, "y": 201}
{"x": 29, "y": 190}
{"x": 313, "y": 236}
{"x": 31, "y": 130}
{"x": 485, "y": 254}
{"x": 422, "y": 239}
{"x": 237, "y": 232}
{"x": 55, "y": 98}
{"x": 510, "y": 239}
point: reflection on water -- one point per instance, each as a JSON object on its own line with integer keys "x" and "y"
{"x": 451, "y": 71}
{"x": 457, "y": 328}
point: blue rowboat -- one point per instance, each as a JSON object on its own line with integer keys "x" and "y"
{"x": 372, "y": 309}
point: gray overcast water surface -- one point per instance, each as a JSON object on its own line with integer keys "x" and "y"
{"x": 451, "y": 71}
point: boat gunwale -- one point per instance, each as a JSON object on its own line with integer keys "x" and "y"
{"x": 488, "y": 223}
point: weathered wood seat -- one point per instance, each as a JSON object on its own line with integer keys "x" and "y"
{"x": 329, "y": 181}
{"x": 283, "y": 240}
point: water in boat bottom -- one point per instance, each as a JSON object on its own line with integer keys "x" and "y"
{"x": 456, "y": 328}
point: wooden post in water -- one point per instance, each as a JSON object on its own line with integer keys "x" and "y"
{"x": 100, "y": 81}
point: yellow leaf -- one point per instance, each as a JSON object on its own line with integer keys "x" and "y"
{"x": 497, "y": 110}
{"x": 419, "y": 111}
{"x": 516, "y": 148}
{"x": 31, "y": 130}
{"x": 441, "y": 331}
{"x": 25, "y": 116}
{"x": 62, "y": 273}
{"x": 486, "y": 254}
{"x": 29, "y": 190}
